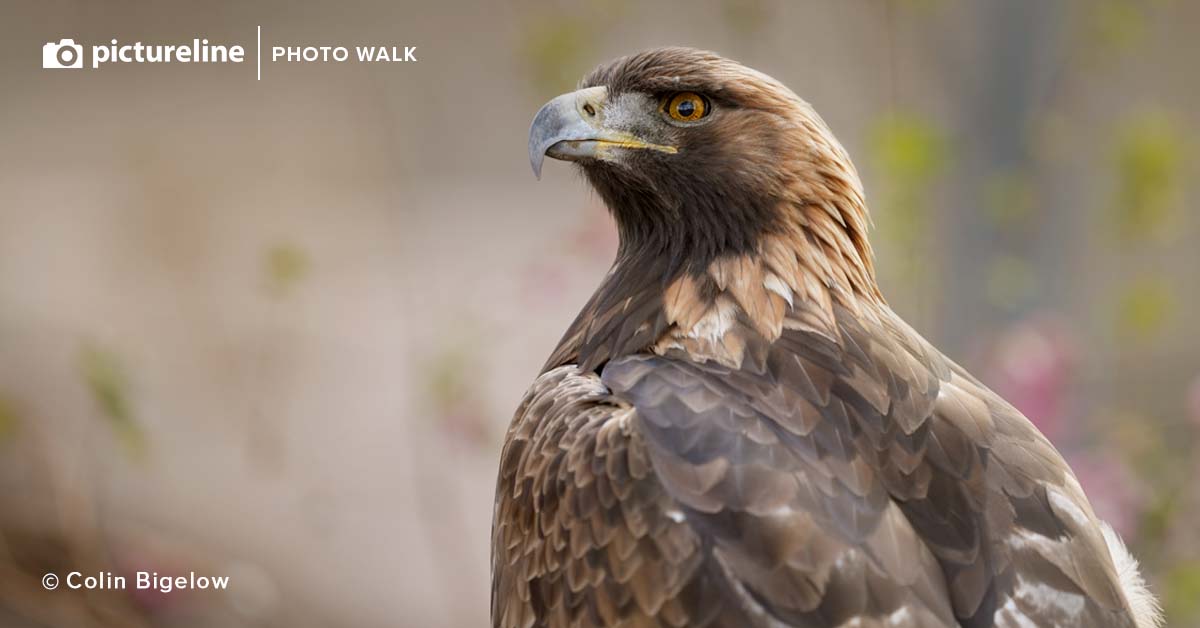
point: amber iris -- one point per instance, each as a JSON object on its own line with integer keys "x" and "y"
{"x": 686, "y": 107}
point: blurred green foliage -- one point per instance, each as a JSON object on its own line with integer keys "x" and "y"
{"x": 9, "y": 422}
{"x": 1149, "y": 161}
{"x": 908, "y": 149}
{"x": 1115, "y": 26}
{"x": 1183, "y": 592}
{"x": 1010, "y": 200}
{"x": 1145, "y": 308}
{"x": 109, "y": 386}
{"x": 746, "y": 17}
{"x": 448, "y": 380}
{"x": 1158, "y": 518}
{"x": 917, "y": 5}
{"x": 558, "y": 45}
{"x": 453, "y": 392}
{"x": 908, "y": 153}
{"x": 557, "y": 51}
{"x": 285, "y": 266}
{"x": 1010, "y": 279}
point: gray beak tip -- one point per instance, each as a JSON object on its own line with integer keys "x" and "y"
{"x": 535, "y": 161}
{"x": 556, "y": 121}
{"x": 546, "y": 124}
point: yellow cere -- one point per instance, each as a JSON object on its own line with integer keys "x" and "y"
{"x": 687, "y": 107}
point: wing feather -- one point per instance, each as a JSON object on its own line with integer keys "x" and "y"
{"x": 852, "y": 479}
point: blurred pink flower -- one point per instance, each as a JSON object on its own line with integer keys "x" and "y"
{"x": 1117, "y": 495}
{"x": 1033, "y": 363}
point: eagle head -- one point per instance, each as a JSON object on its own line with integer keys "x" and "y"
{"x": 732, "y": 199}
{"x": 699, "y": 157}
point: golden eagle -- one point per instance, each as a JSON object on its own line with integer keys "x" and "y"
{"x": 738, "y": 431}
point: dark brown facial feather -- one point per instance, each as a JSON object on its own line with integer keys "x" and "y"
{"x": 666, "y": 70}
{"x": 712, "y": 199}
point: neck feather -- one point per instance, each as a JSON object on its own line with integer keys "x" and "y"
{"x": 713, "y": 275}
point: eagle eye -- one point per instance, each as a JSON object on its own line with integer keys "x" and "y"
{"x": 685, "y": 106}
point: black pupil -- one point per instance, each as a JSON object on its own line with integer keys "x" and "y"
{"x": 686, "y": 108}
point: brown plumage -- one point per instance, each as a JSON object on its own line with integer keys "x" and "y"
{"x": 737, "y": 431}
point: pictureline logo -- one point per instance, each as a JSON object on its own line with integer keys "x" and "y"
{"x": 66, "y": 54}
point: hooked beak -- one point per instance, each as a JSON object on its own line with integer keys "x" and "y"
{"x": 572, "y": 127}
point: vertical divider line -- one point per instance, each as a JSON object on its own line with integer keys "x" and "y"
{"x": 258, "y": 54}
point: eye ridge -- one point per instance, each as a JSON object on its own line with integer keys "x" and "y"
{"x": 686, "y": 106}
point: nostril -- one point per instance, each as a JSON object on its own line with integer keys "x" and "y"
{"x": 590, "y": 110}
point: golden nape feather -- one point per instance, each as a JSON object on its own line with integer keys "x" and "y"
{"x": 737, "y": 431}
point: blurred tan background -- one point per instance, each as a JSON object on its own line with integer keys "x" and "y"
{"x": 275, "y": 330}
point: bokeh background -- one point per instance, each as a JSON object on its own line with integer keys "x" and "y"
{"x": 275, "y": 330}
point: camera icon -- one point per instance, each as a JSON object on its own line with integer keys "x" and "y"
{"x": 65, "y": 54}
